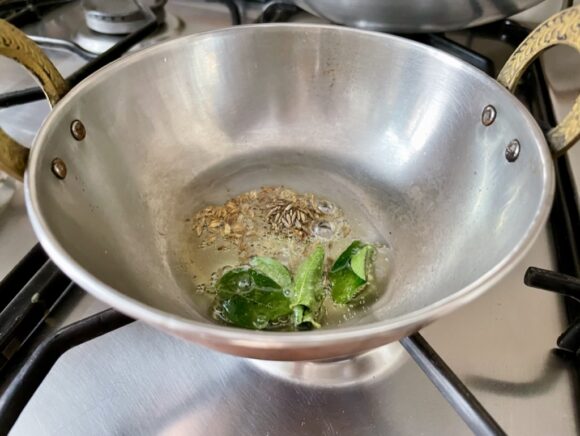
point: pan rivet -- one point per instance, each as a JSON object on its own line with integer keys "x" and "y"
{"x": 58, "y": 168}
{"x": 512, "y": 150}
{"x": 78, "y": 130}
{"x": 488, "y": 115}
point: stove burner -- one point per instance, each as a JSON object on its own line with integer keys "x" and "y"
{"x": 96, "y": 43}
{"x": 119, "y": 17}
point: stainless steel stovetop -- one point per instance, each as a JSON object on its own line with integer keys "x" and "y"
{"x": 136, "y": 380}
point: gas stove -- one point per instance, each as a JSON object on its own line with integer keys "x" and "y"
{"x": 71, "y": 365}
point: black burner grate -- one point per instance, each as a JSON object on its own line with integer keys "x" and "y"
{"x": 565, "y": 285}
{"x": 21, "y": 12}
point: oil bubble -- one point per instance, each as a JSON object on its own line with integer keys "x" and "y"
{"x": 261, "y": 322}
{"x": 323, "y": 229}
{"x": 325, "y": 207}
{"x": 245, "y": 283}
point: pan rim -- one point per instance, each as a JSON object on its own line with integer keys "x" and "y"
{"x": 391, "y": 328}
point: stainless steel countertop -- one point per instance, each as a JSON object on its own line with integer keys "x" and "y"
{"x": 139, "y": 381}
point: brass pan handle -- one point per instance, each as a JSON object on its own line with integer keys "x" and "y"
{"x": 16, "y": 45}
{"x": 562, "y": 28}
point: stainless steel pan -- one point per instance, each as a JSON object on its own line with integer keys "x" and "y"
{"x": 454, "y": 171}
{"x": 405, "y": 16}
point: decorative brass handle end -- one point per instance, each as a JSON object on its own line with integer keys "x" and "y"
{"x": 562, "y": 28}
{"x": 567, "y": 133}
{"x": 15, "y": 45}
{"x": 13, "y": 156}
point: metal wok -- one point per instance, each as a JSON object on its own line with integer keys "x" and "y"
{"x": 455, "y": 173}
{"x": 406, "y": 16}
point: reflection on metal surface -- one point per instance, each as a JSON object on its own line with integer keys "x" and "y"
{"x": 512, "y": 150}
{"x": 488, "y": 115}
{"x": 364, "y": 368}
{"x": 45, "y": 42}
{"x": 78, "y": 131}
{"x": 162, "y": 385}
{"x": 58, "y": 168}
{"x": 539, "y": 384}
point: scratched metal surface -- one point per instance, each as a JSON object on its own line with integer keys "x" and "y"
{"x": 160, "y": 385}
{"x": 137, "y": 380}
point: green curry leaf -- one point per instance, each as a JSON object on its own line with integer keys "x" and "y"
{"x": 274, "y": 270}
{"x": 250, "y": 299}
{"x": 308, "y": 290}
{"x": 343, "y": 260}
{"x": 350, "y": 273}
{"x": 359, "y": 263}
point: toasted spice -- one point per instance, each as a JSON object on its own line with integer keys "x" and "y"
{"x": 277, "y": 211}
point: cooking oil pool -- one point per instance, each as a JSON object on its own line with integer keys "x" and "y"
{"x": 280, "y": 223}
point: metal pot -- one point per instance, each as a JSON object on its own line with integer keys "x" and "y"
{"x": 455, "y": 172}
{"x": 403, "y": 16}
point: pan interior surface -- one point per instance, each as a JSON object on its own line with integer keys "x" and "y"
{"x": 388, "y": 129}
